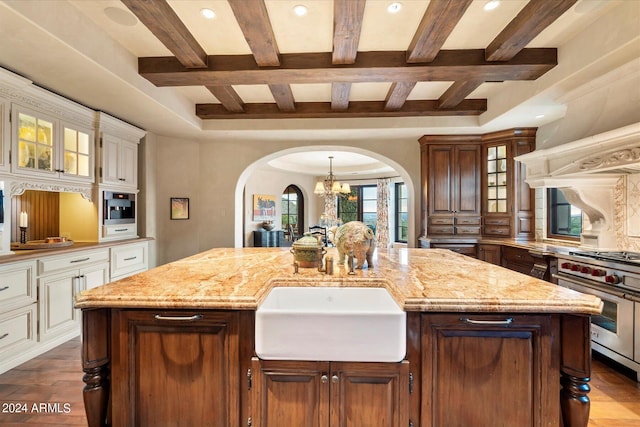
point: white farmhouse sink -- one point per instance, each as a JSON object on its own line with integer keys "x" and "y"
{"x": 330, "y": 324}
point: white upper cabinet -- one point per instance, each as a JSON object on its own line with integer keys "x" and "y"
{"x": 118, "y": 143}
{"x": 47, "y": 146}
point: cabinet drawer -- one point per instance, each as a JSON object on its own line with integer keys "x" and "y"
{"x": 440, "y": 229}
{"x": 468, "y": 221}
{"x": 468, "y": 230}
{"x": 121, "y": 230}
{"x": 128, "y": 259}
{"x": 17, "y": 328}
{"x": 517, "y": 255}
{"x": 496, "y": 221}
{"x": 17, "y": 286}
{"x": 441, "y": 221}
{"x": 79, "y": 259}
{"x": 461, "y": 248}
{"x": 497, "y": 231}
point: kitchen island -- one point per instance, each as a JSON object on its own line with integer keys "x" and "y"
{"x": 485, "y": 346}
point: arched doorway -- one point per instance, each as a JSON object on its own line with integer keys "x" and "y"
{"x": 292, "y": 212}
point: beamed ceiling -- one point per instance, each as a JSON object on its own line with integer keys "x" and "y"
{"x": 507, "y": 57}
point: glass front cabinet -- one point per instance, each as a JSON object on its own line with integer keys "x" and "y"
{"x": 47, "y": 146}
{"x": 508, "y": 202}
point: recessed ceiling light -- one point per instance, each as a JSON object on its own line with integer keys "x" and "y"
{"x": 300, "y": 10}
{"x": 394, "y": 7}
{"x": 207, "y": 13}
{"x": 539, "y": 116}
{"x": 491, "y": 5}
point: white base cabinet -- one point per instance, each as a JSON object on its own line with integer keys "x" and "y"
{"x": 37, "y": 296}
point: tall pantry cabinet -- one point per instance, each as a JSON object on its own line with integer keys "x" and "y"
{"x": 472, "y": 187}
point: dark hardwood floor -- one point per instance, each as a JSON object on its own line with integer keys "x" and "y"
{"x": 48, "y": 392}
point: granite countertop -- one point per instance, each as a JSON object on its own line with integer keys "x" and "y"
{"x": 29, "y": 254}
{"x": 418, "y": 279}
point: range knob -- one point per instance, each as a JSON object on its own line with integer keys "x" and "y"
{"x": 612, "y": 278}
{"x": 585, "y": 269}
{"x": 598, "y": 272}
{"x": 565, "y": 265}
{"x": 575, "y": 267}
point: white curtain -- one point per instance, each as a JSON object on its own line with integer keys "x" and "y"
{"x": 382, "y": 225}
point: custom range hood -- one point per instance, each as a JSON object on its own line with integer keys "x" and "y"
{"x": 587, "y": 171}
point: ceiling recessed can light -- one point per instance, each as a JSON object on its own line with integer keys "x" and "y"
{"x": 207, "y": 13}
{"x": 300, "y": 10}
{"x": 394, "y": 7}
{"x": 491, "y": 5}
{"x": 539, "y": 116}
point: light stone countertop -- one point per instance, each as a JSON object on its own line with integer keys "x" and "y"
{"x": 435, "y": 280}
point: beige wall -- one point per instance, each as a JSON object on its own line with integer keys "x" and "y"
{"x": 213, "y": 174}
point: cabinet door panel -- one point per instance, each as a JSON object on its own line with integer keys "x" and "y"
{"x": 468, "y": 173}
{"x": 161, "y": 363}
{"x": 489, "y": 375}
{"x": 440, "y": 179}
{"x": 290, "y": 393}
{"x": 56, "y": 304}
{"x": 369, "y": 394}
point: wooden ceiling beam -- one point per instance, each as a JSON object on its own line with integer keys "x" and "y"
{"x": 254, "y": 22}
{"x": 457, "y": 92}
{"x": 340, "y": 96}
{"x": 453, "y": 65}
{"x": 228, "y": 97}
{"x": 531, "y": 21}
{"x": 253, "y": 18}
{"x": 397, "y": 95}
{"x": 163, "y": 22}
{"x": 283, "y": 96}
{"x": 438, "y": 22}
{"x": 469, "y": 107}
{"x": 347, "y": 24}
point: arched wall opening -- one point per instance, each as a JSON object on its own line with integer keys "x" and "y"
{"x": 239, "y": 225}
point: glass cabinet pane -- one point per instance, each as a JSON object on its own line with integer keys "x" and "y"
{"x": 76, "y": 152}
{"x": 35, "y": 143}
{"x": 497, "y": 179}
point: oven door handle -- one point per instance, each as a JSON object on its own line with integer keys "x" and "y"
{"x": 606, "y": 289}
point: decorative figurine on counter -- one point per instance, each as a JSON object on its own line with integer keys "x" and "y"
{"x": 354, "y": 237}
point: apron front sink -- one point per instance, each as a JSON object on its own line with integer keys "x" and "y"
{"x": 351, "y": 324}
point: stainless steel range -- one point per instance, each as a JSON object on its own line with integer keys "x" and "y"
{"x": 614, "y": 277}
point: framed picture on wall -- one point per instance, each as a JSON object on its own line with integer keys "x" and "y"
{"x": 179, "y": 208}
{"x": 264, "y": 207}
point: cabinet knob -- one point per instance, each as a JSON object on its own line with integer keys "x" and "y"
{"x": 324, "y": 379}
{"x": 335, "y": 379}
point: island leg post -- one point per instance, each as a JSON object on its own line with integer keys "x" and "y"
{"x": 95, "y": 364}
{"x": 575, "y": 370}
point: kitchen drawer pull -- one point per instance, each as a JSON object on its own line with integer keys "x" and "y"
{"x": 324, "y": 379}
{"x": 179, "y": 318}
{"x": 79, "y": 260}
{"x": 6, "y": 334}
{"x": 4, "y": 288}
{"x": 505, "y": 322}
{"x": 130, "y": 258}
{"x": 121, "y": 229}
{"x": 335, "y": 379}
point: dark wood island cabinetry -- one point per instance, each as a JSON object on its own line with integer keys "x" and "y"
{"x": 175, "y": 346}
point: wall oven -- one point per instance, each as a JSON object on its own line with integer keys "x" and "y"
{"x": 118, "y": 208}
{"x": 614, "y": 277}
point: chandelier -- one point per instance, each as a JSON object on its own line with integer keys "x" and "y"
{"x": 329, "y": 185}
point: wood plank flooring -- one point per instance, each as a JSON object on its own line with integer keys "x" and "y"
{"x": 53, "y": 383}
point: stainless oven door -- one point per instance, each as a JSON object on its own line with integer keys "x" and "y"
{"x": 613, "y": 328}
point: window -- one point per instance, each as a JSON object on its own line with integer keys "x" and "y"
{"x": 402, "y": 213}
{"x": 360, "y": 205}
{"x": 564, "y": 219}
{"x": 292, "y": 211}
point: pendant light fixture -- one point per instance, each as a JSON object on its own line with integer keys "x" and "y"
{"x": 329, "y": 185}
